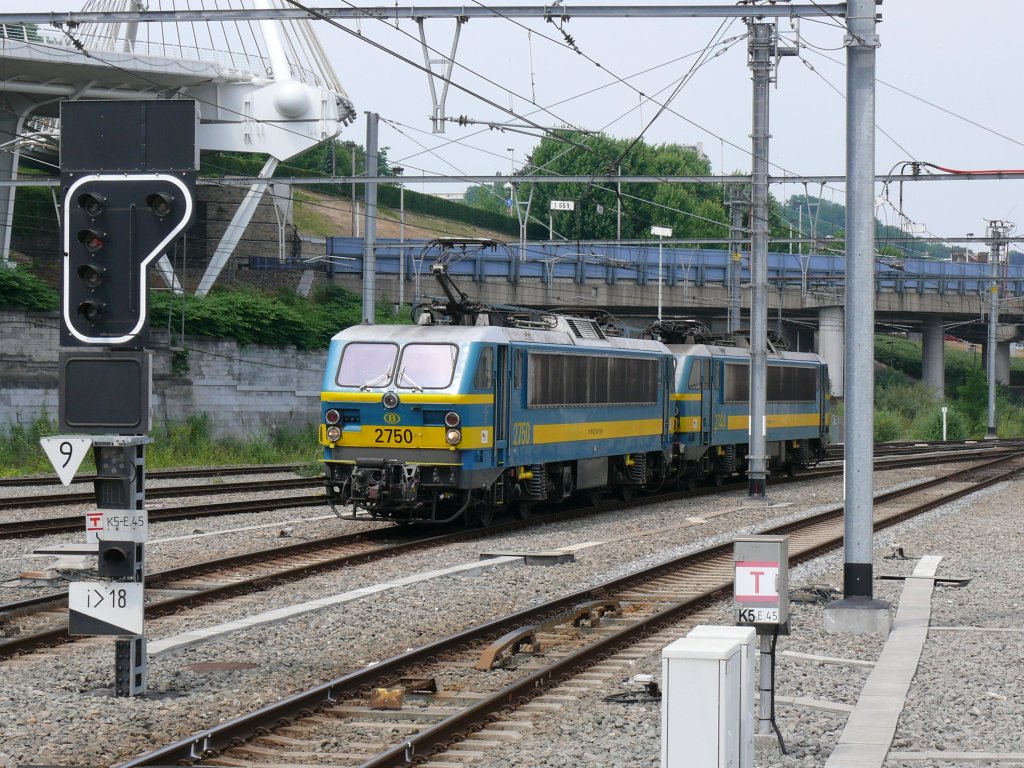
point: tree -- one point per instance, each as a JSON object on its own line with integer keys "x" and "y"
{"x": 488, "y": 197}
{"x": 692, "y": 210}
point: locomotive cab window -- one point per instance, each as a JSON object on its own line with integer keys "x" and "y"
{"x": 426, "y": 366}
{"x": 366, "y": 365}
{"x": 484, "y": 366}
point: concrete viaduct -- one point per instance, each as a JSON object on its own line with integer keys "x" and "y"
{"x": 806, "y": 293}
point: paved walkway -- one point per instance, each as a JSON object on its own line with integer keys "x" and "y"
{"x": 872, "y": 724}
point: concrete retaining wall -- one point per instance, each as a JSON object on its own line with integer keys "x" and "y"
{"x": 241, "y": 390}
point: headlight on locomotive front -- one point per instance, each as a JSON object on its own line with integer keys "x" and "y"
{"x": 389, "y": 400}
{"x": 334, "y": 434}
{"x": 332, "y": 416}
{"x": 452, "y": 419}
{"x": 453, "y": 436}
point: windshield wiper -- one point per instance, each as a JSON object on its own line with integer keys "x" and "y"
{"x": 402, "y": 376}
{"x": 376, "y": 381}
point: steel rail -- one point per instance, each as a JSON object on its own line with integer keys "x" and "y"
{"x": 71, "y": 523}
{"x": 161, "y": 474}
{"x": 85, "y": 497}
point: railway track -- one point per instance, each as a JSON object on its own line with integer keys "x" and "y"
{"x": 71, "y": 523}
{"x": 40, "y": 621}
{"x": 507, "y": 668}
{"x": 216, "y": 489}
{"x": 160, "y": 474}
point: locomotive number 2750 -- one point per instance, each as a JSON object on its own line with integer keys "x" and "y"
{"x": 392, "y": 436}
{"x": 521, "y": 433}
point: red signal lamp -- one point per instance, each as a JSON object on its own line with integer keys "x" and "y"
{"x": 92, "y": 239}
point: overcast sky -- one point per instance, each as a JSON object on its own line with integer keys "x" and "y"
{"x": 947, "y": 94}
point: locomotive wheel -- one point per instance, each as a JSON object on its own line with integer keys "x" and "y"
{"x": 626, "y": 492}
{"x": 791, "y": 469}
{"x": 524, "y": 509}
{"x": 718, "y": 478}
{"x": 483, "y": 515}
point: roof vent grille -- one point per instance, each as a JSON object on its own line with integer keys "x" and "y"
{"x": 586, "y": 329}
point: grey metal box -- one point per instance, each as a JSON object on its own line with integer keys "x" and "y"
{"x": 761, "y": 585}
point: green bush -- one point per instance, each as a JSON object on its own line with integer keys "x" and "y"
{"x": 20, "y": 452}
{"x": 906, "y": 399}
{"x": 899, "y": 354}
{"x": 175, "y": 444}
{"x": 19, "y": 288}
{"x": 34, "y": 212}
{"x": 252, "y": 317}
{"x": 889, "y": 426}
{"x": 928, "y": 425}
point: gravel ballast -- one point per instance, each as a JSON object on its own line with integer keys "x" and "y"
{"x": 963, "y": 698}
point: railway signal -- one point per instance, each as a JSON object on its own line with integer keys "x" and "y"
{"x": 128, "y": 180}
{"x": 114, "y": 226}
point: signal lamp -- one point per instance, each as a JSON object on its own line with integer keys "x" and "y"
{"x": 92, "y": 309}
{"x": 390, "y": 400}
{"x": 452, "y": 419}
{"x": 161, "y": 205}
{"x": 334, "y": 434}
{"x": 332, "y": 416}
{"x": 93, "y": 274}
{"x": 119, "y": 560}
{"x": 453, "y": 436}
{"x": 92, "y": 239}
{"x": 93, "y": 203}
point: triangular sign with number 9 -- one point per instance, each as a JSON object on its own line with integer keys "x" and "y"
{"x": 66, "y": 454}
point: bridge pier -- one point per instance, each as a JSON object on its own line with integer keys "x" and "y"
{"x": 933, "y": 356}
{"x": 1002, "y": 361}
{"x": 831, "y": 345}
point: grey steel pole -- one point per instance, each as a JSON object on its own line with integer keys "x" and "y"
{"x": 618, "y": 207}
{"x": 996, "y": 232}
{"x": 370, "y": 223}
{"x": 736, "y": 203}
{"x": 860, "y": 297}
{"x": 661, "y": 242}
{"x": 401, "y": 244}
{"x": 355, "y": 221}
{"x": 762, "y": 41}
{"x": 764, "y": 686}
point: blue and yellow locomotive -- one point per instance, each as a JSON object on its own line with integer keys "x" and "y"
{"x": 472, "y": 411}
{"x": 711, "y": 399}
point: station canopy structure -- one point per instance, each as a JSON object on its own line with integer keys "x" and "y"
{"x": 261, "y": 86}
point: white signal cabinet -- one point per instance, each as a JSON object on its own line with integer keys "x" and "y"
{"x": 747, "y": 638}
{"x": 701, "y": 703}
